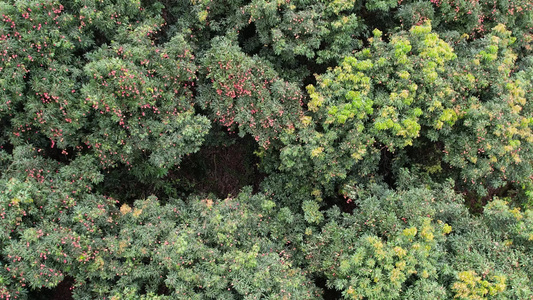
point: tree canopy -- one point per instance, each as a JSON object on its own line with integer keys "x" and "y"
{"x": 277, "y": 149}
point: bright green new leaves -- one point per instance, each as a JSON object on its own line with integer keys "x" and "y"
{"x": 471, "y": 286}
{"x": 390, "y": 88}
{"x": 377, "y": 100}
{"x": 472, "y": 102}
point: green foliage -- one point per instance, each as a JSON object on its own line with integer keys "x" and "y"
{"x": 144, "y": 104}
{"x": 393, "y": 140}
{"x": 51, "y": 219}
{"x": 419, "y": 242}
{"x": 387, "y": 89}
{"x": 416, "y": 86}
{"x": 294, "y": 28}
{"x": 379, "y": 99}
{"x": 494, "y": 136}
{"x": 247, "y": 92}
{"x": 200, "y": 247}
{"x": 387, "y": 249}
{"x": 128, "y": 100}
{"x": 468, "y": 19}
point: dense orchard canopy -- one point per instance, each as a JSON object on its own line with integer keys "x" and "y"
{"x": 276, "y": 149}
